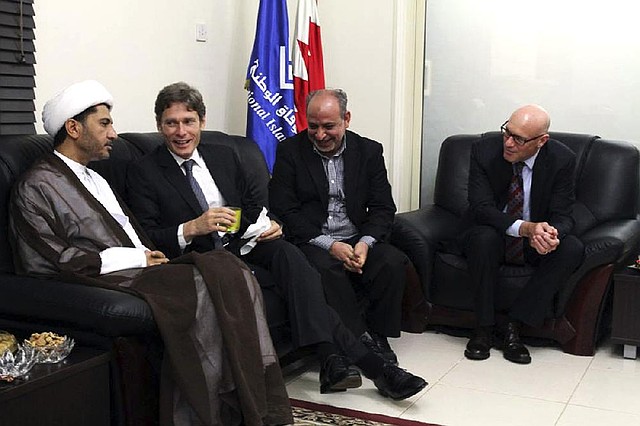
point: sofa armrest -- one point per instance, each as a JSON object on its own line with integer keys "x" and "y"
{"x": 98, "y": 310}
{"x": 612, "y": 242}
{"x": 417, "y": 233}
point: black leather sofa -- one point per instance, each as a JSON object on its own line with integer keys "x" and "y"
{"x": 113, "y": 321}
{"x": 121, "y": 323}
{"x": 606, "y": 216}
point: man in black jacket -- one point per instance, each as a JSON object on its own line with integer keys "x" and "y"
{"x": 521, "y": 198}
{"x": 330, "y": 189}
{"x": 181, "y": 216}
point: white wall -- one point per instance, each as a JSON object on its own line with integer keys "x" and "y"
{"x": 136, "y": 47}
{"x": 578, "y": 59}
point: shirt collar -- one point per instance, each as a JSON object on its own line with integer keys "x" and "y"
{"x": 529, "y": 162}
{"x": 337, "y": 154}
{"x": 76, "y": 167}
{"x": 196, "y": 157}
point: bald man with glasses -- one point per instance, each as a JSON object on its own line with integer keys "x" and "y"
{"x": 521, "y": 197}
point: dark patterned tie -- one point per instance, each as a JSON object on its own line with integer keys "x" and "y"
{"x": 195, "y": 187}
{"x": 514, "y": 250}
{"x": 197, "y": 191}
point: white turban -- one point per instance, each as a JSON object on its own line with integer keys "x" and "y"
{"x": 71, "y": 102}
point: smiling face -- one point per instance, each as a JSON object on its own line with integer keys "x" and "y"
{"x": 92, "y": 138}
{"x": 326, "y": 126}
{"x": 181, "y": 129}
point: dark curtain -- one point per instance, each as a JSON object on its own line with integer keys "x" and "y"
{"x": 17, "y": 74}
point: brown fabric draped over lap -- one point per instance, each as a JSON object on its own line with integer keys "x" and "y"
{"x": 260, "y": 390}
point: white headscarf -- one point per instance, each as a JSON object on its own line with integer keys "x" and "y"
{"x": 71, "y": 102}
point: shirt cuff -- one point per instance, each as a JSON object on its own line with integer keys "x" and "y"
{"x": 368, "y": 240}
{"x": 182, "y": 242}
{"x": 322, "y": 241}
{"x": 514, "y": 229}
{"x": 120, "y": 258}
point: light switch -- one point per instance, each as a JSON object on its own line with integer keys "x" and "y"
{"x": 201, "y": 32}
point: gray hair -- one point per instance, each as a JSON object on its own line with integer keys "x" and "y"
{"x": 339, "y": 94}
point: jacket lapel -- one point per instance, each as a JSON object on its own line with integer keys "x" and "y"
{"x": 500, "y": 173}
{"x": 221, "y": 176}
{"x": 538, "y": 182}
{"x": 176, "y": 178}
{"x": 316, "y": 169}
{"x": 351, "y": 168}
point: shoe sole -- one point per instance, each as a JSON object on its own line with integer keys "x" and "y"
{"x": 475, "y": 357}
{"x": 350, "y": 382}
{"x": 404, "y": 396}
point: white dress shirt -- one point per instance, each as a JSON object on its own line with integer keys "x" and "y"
{"x": 209, "y": 188}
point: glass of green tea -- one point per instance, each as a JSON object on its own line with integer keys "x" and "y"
{"x": 235, "y": 227}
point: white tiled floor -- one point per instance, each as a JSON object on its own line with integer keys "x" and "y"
{"x": 555, "y": 389}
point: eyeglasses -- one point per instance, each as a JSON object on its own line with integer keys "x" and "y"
{"x": 506, "y": 134}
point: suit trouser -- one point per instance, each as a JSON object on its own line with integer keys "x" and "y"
{"x": 483, "y": 246}
{"x": 312, "y": 320}
{"x": 371, "y": 301}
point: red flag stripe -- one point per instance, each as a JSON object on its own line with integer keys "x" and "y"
{"x": 308, "y": 68}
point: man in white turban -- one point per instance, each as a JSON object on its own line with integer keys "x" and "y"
{"x": 66, "y": 222}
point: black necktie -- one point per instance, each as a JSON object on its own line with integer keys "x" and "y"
{"x": 197, "y": 190}
{"x": 514, "y": 251}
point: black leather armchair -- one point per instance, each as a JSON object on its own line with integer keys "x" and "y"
{"x": 606, "y": 215}
{"x": 117, "y": 322}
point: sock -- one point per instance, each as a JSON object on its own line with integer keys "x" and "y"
{"x": 371, "y": 365}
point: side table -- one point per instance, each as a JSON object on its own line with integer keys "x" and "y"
{"x": 625, "y": 327}
{"x": 74, "y": 391}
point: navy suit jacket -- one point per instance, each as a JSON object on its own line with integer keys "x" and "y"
{"x": 299, "y": 190}
{"x": 161, "y": 198}
{"x": 552, "y": 186}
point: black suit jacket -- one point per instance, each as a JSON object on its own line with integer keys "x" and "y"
{"x": 161, "y": 198}
{"x": 299, "y": 190}
{"x": 552, "y": 186}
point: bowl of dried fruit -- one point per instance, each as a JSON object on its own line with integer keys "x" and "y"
{"x": 49, "y": 347}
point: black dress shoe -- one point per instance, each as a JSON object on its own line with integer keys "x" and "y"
{"x": 336, "y": 375}
{"x": 512, "y": 348}
{"x": 379, "y": 345}
{"x": 396, "y": 383}
{"x": 479, "y": 346}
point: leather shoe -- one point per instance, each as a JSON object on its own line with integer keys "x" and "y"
{"x": 397, "y": 383}
{"x": 336, "y": 375}
{"x": 379, "y": 345}
{"x": 479, "y": 346}
{"x": 512, "y": 348}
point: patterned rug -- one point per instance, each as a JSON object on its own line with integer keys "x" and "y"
{"x": 312, "y": 414}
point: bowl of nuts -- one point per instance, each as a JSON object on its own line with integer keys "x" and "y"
{"x": 15, "y": 360}
{"x": 50, "y": 347}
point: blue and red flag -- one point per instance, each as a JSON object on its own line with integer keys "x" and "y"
{"x": 270, "y": 104}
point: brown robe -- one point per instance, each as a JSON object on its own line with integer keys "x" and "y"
{"x": 58, "y": 230}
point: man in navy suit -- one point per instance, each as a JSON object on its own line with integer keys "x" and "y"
{"x": 181, "y": 216}
{"x": 330, "y": 189}
{"x": 537, "y": 172}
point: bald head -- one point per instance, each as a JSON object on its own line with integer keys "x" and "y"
{"x": 532, "y": 119}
